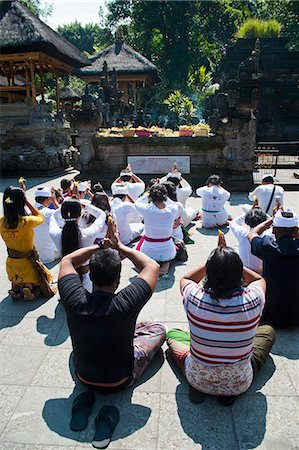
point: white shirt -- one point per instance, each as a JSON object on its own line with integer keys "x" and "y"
{"x": 121, "y": 210}
{"x": 134, "y": 189}
{"x": 213, "y": 198}
{"x": 240, "y": 231}
{"x": 158, "y": 224}
{"x": 87, "y": 235}
{"x": 263, "y": 194}
{"x": 183, "y": 192}
{"x": 42, "y": 240}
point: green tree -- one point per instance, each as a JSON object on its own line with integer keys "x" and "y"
{"x": 86, "y": 37}
{"x": 37, "y": 9}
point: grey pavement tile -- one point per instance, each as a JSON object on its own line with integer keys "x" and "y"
{"x": 9, "y": 399}
{"x": 292, "y": 368}
{"x": 42, "y": 418}
{"x": 174, "y": 310}
{"x": 138, "y": 424}
{"x": 54, "y": 370}
{"x": 272, "y": 379}
{"x": 20, "y": 363}
{"x": 287, "y": 343}
{"x": 153, "y": 310}
{"x": 14, "y": 446}
{"x": 267, "y": 422}
{"x": 183, "y": 425}
{"x": 33, "y": 331}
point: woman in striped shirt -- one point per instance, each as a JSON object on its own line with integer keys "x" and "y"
{"x": 225, "y": 347}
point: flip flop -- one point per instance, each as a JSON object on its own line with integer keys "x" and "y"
{"x": 81, "y": 409}
{"x": 105, "y": 424}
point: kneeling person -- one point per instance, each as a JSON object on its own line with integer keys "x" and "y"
{"x": 111, "y": 351}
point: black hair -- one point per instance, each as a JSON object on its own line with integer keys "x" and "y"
{"x": 41, "y": 199}
{"x": 171, "y": 190}
{"x": 97, "y": 188}
{"x": 105, "y": 267}
{"x": 214, "y": 180}
{"x": 125, "y": 177}
{"x": 254, "y": 217}
{"x": 174, "y": 180}
{"x": 121, "y": 196}
{"x": 224, "y": 270}
{"x": 268, "y": 179}
{"x": 13, "y": 206}
{"x": 64, "y": 184}
{"x": 158, "y": 193}
{"x": 151, "y": 182}
{"x": 101, "y": 200}
{"x": 70, "y": 209}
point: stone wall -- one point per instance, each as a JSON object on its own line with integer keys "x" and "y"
{"x": 207, "y": 156}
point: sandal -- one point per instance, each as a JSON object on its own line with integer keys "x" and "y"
{"x": 14, "y": 295}
{"x": 28, "y": 295}
{"x": 105, "y": 424}
{"x": 81, "y": 409}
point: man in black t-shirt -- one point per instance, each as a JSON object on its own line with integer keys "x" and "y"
{"x": 280, "y": 267}
{"x": 110, "y": 350}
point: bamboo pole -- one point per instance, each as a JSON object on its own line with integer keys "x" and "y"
{"x": 27, "y": 81}
{"x": 135, "y": 98}
{"x": 42, "y": 84}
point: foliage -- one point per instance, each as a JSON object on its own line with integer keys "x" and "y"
{"x": 35, "y": 7}
{"x": 86, "y": 37}
{"x": 181, "y": 106}
{"x": 253, "y": 28}
{"x": 77, "y": 84}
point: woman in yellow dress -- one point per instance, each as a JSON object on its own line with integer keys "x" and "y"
{"x": 27, "y": 274}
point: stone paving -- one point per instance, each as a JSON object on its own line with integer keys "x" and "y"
{"x": 37, "y": 382}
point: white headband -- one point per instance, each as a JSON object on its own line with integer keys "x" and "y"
{"x": 174, "y": 175}
{"x": 128, "y": 174}
{"x": 119, "y": 189}
{"x": 43, "y": 192}
{"x": 280, "y": 221}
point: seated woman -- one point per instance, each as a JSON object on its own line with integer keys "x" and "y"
{"x": 159, "y": 214}
{"x": 72, "y": 237}
{"x": 123, "y": 208}
{"x": 29, "y": 277}
{"x": 225, "y": 347}
{"x": 213, "y": 200}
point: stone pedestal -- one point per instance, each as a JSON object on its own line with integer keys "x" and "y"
{"x": 207, "y": 156}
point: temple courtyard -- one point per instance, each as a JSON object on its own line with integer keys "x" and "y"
{"x": 38, "y": 384}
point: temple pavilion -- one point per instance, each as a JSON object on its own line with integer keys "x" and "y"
{"x": 132, "y": 69}
{"x": 28, "y": 47}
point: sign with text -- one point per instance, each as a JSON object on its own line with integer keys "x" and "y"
{"x": 158, "y": 164}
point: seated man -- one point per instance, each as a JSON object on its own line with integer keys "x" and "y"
{"x": 225, "y": 347}
{"x": 135, "y": 185}
{"x": 241, "y": 227}
{"x": 111, "y": 351}
{"x": 267, "y": 194}
{"x": 214, "y": 197}
{"x": 122, "y": 206}
{"x": 280, "y": 267}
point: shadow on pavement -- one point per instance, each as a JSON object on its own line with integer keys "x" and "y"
{"x": 214, "y": 426}
{"x": 287, "y": 343}
{"x": 12, "y": 311}
{"x": 54, "y": 328}
{"x": 133, "y": 416}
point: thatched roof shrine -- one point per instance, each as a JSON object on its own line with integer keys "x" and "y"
{"x": 125, "y": 60}
{"x": 67, "y": 94}
{"x": 22, "y": 31}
